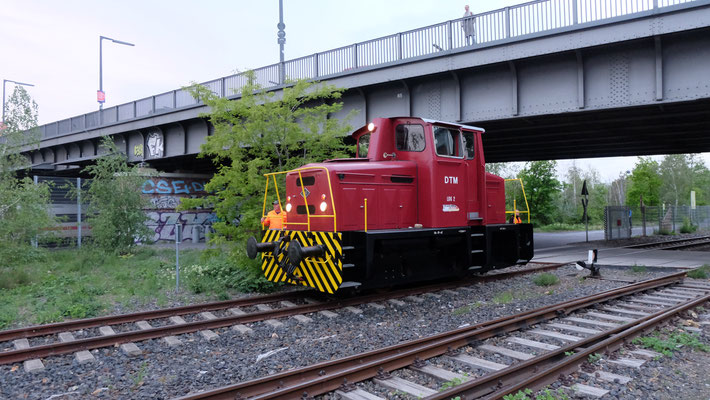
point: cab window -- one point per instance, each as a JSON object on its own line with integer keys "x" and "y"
{"x": 448, "y": 142}
{"x": 363, "y": 145}
{"x": 410, "y": 137}
{"x": 469, "y": 144}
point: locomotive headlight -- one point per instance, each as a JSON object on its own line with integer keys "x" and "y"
{"x": 288, "y": 207}
{"x": 323, "y": 206}
{"x": 371, "y": 127}
{"x": 322, "y": 197}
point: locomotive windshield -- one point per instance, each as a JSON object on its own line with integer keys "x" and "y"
{"x": 363, "y": 144}
{"x": 447, "y": 142}
{"x": 410, "y": 137}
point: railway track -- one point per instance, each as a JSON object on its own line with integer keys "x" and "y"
{"x": 554, "y": 340}
{"x": 166, "y": 323}
{"x": 676, "y": 244}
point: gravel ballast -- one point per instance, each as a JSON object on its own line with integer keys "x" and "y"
{"x": 161, "y": 372}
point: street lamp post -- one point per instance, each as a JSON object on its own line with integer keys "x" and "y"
{"x": 101, "y": 95}
{"x": 4, "y": 81}
{"x": 281, "y": 41}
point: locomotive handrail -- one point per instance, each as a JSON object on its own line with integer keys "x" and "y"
{"x": 527, "y": 207}
{"x": 272, "y": 175}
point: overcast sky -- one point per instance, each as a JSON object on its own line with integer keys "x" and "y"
{"x": 54, "y": 44}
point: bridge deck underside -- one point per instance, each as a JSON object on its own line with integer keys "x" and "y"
{"x": 646, "y": 130}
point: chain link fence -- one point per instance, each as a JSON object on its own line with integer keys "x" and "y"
{"x": 621, "y": 222}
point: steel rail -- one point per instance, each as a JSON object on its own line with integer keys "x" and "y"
{"x": 605, "y": 342}
{"x": 51, "y": 349}
{"x": 330, "y": 375}
{"x": 662, "y": 243}
{"x": 695, "y": 243}
{"x": 49, "y": 329}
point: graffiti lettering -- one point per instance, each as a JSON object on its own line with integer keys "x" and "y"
{"x": 163, "y": 224}
{"x": 165, "y": 202}
{"x": 170, "y": 186}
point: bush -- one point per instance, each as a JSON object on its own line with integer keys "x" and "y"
{"x": 688, "y": 226}
{"x": 546, "y": 279}
{"x": 116, "y": 205}
{"x": 662, "y": 232}
{"x": 218, "y": 274}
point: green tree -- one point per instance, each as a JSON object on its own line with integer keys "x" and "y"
{"x": 681, "y": 173}
{"x": 507, "y": 170}
{"x": 541, "y": 188}
{"x": 260, "y": 133}
{"x": 24, "y": 206}
{"x": 646, "y": 182}
{"x": 570, "y": 205}
{"x": 115, "y": 210}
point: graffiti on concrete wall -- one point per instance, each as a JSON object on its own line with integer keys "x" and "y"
{"x": 193, "y": 224}
{"x": 165, "y": 194}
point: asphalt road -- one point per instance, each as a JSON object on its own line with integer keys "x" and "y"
{"x": 544, "y": 240}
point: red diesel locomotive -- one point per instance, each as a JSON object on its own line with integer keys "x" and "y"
{"x": 416, "y": 204}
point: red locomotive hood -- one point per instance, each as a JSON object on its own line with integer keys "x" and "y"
{"x": 361, "y": 165}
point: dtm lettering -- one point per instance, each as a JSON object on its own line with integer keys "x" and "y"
{"x": 451, "y": 179}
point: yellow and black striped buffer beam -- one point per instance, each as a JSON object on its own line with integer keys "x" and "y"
{"x": 321, "y": 273}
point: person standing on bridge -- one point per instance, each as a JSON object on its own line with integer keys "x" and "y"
{"x": 275, "y": 219}
{"x": 468, "y": 26}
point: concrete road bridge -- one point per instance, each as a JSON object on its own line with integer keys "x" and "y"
{"x": 549, "y": 79}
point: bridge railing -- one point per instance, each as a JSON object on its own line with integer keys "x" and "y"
{"x": 506, "y": 24}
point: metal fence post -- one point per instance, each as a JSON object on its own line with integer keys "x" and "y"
{"x": 507, "y": 22}
{"x": 643, "y": 219}
{"x": 673, "y": 217}
{"x": 178, "y": 230}
{"x": 78, "y": 212}
{"x": 315, "y": 65}
{"x": 355, "y": 55}
{"x": 399, "y": 46}
{"x": 36, "y": 239}
{"x": 450, "y": 34}
{"x": 575, "y": 20}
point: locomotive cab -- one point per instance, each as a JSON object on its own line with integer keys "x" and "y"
{"x": 415, "y": 204}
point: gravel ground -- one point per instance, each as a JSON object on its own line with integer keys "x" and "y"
{"x": 163, "y": 372}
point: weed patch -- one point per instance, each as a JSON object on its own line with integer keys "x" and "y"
{"x": 638, "y": 269}
{"x": 546, "y": 279}
{"x": 503, "y": 298}
{"x": 452, "y": 383}
{"x": 673, "y": 341}
{"x": 467, "y": 308}
{"x": 700, "y": 273}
